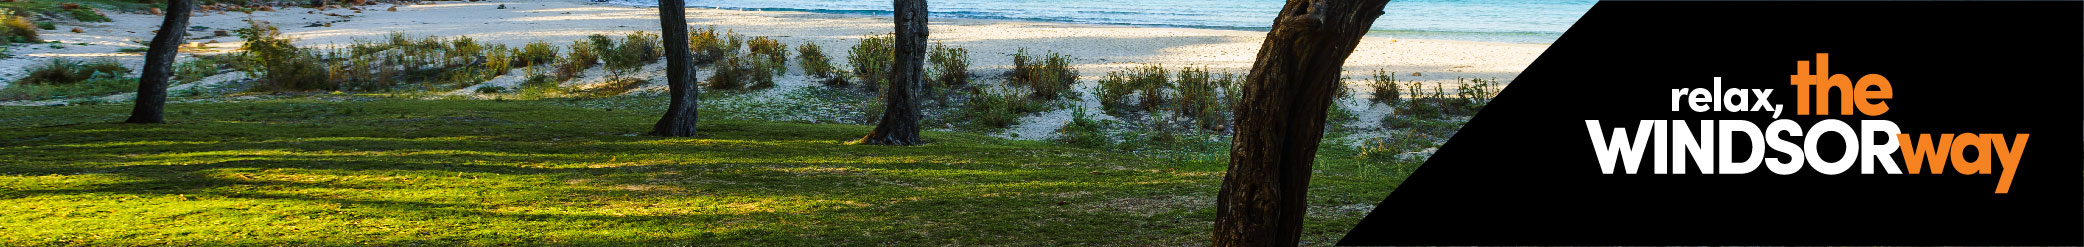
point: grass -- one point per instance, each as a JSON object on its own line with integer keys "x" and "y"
{"x": 331, "y": 171}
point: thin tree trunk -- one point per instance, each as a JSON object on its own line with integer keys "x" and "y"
{"x": 159, "y": 64}
{"x": 1281, "y": 120}
{"x": 681, "y": 115}
{"x": 900, "y": 123}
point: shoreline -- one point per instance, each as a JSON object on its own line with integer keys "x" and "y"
{"x": 1096, "y": 48}
{"x": 1538, "y": 38}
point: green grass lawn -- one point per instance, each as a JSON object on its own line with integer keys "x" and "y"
{"x": 343, "y": 170}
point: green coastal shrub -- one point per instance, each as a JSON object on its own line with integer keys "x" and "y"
{"x": 1197, "y": 99}
{"x": 950, "y": 66}
{"x": 871, "y": 60}
{"x": 99, "y": 85}
{"x": 1084, "y": 131}
{"x": 536, "y": 53}
{"x": 997, "y": 107}
{"x": 17, "y": 29}
{"x": 1049, "y": 77}
{"x": 578, "y": 59}
{"x": 814, "y": 62}
{"x": 706, "y": 45}
{"x": 1382, "y": 88}
{"x": 280, "y": 65}
{"x": 773, "y": 51}
{"x": 61, "y": 71}
{"x": 1113, "y": 92}
{"x": 87, "y": 15}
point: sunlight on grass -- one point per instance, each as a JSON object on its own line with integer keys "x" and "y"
{"x": 403, "y": 172}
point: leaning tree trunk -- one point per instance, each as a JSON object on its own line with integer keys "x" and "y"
{"x": 159, "y": 64}
{"x": 1281, "y": 119}
{"x": 681, "y": 114}
{"x": 900, "y": 123}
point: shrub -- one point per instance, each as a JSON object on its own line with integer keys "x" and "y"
{"x": 491, "y": 89}
{"x": 1114, "y": 91}
{"x": 951, "y": 66}
{"x": 1383, "y": 88}
{"x": 995, "y": 108}
{"x": 17, "y": 29}
{"x": 103, "y": 84}
{"x": 1050, "y": 77}
{"x": 816, "y": 64}
{"x": 280, "y": 65}
{"x": 88, "y": 15}
{"x": 1473, "y": 95}
{"x": 774, "y": 51}
{"x": 706, "y": 46}
{"x": 47, "y": 26}
{"x": 871, "y": 60}
{"x": 63, "y": 71}
{"x": 462, "y": 47}
{"x": 1084, "y": 132}
{"x": 582, "y": 56}
{"x": 1197, "y": 97}
{"x": 1150, "y": 82}
{"x": 632, "y": 52}
{"x": 729, "y": 73}
{"x": 536, "y": 53}
{"x": 1422, "y": 105}
{"x": 202, "y": 67}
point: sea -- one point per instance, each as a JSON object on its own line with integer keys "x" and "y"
{"x": 1514, "y": 21}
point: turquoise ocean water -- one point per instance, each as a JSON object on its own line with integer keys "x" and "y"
{"x": 1538, "y": 21}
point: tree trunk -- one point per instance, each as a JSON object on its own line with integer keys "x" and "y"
{"x": 159, "y": 64}
{"x": 900, "y": 123}
{"x": 681, "y": 114}
{"x": 1281, "y": 119}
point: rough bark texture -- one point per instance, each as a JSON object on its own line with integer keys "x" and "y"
{"x": 681, "y": 113}
{"x": 159, "y": 64}
{"x": 1281, "y": 119}
{"x": 900, "y": 123}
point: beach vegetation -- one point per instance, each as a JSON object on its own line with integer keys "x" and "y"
{"x": 707, "y": 45}
{"x": 1196, "y": 98}
{"x": 950, "y": 66}
{"x": 278, "y": 64}
{"x": 1048, "y": 76}
{"x": 577, "y": 60}
{"x": 1085, "y": 132}
{"x": 1383, "y": 88}
{"x": 773, "y": 51}
{"x": 812, "y": 58}
{"x": 59, "y": 71}
{"x": 536, "y": 53}
{"x": 998, "y": 107}
{"x": 85, "y": 14}
{"x": 17, "y": 29}
{"x": 871, "y": 60}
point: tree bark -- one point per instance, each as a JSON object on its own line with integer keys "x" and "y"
{"x": 681, "y": 114}
{"x": 159, "y": 64}
{"x": 1281, "y": 120}
{"x": 900, "y": 123}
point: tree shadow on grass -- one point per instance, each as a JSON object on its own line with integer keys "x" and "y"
{"x": 796, "y": 187}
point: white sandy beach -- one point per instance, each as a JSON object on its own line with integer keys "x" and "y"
{"x": 1097, "y": 48}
